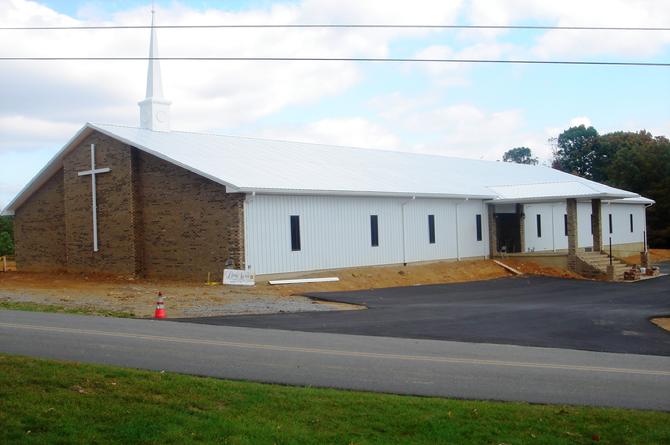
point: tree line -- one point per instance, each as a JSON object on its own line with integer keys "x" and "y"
{"x": 6, "y": 236}
{"x": 635, "y": 161}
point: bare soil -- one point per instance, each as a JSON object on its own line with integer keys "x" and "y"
{"x": 663, "y": 323}
{"x": 655, "y": 256}
{"x": 11, "y": 265}
{"x": 531, "y": 268}
{"x": 185, "y": 299}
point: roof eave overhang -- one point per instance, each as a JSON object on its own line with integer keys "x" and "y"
{"x": 372, "y": 193}
{"x": 536, "y": 199}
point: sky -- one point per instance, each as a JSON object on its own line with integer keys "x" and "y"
{"x": 474, "y": 111}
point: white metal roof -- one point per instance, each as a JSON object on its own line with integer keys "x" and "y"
{"x": 553, "y": 190}
{"x": 270, "y": 166}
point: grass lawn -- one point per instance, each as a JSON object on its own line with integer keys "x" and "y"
{"x": 45, "y": 402}
{"x": 38, "y": 307}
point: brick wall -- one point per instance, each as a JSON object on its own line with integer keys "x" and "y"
{"x": 39, "y": 228}
{"x": 154, "y": 218}
{"x": 191, "y": 226}
{"x": 116, "y": 208}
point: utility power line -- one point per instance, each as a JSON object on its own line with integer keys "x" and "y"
{"x": 343, "y": 59}
{"x": 324, "y": 25}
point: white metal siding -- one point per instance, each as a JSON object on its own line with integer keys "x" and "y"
{"x": 620, "y": 219}
{"x": 553, "y": 226}
{"x": 621, "y": 223}
{"x": 335, "y": 231}
{"x": 584, "y": 232}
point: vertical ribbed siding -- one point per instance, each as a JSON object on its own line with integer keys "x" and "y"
{"x": 335, "y": 231}
{"x": 620, "y": 219}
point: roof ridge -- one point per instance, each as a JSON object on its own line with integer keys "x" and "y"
{"x": 324, "y": 145}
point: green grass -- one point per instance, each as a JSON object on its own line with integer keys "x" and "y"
{"x": 38, "y": 307}
{"x": 45, "y": 402}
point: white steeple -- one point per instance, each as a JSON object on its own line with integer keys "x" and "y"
{"x": 154, "y": 109}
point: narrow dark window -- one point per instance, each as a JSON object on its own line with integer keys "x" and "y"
{"x": 611, "y": 229}
{"x": 591, "y": 223}
{"x": 374, "y": 231}
{"x": 295, "y": 232}
{"x": 479, "y": 227}
{"x": 565, "y": 224}
{"x": 539, "y": 226}
{"x": 631, "y": 223}
{"x": 431, "y": 229}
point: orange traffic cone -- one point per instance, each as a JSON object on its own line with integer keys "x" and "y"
{"x": 160, "y": 307}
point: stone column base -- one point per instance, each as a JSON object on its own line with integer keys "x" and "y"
{"x": 644, "y": 259}
{"x": 610, "y": 272}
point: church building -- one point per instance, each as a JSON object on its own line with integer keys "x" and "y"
{"x": 151, "y": 201}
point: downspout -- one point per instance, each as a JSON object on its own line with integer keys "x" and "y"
{"x": 553, "y": 229}
{"x": 248, "y": 198}
{"x": 402, "y": 223}
{"x": 646, "y": 244}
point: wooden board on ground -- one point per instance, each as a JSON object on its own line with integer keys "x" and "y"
{"x": 305, "y": 280}
{"x": 505, "y": 266}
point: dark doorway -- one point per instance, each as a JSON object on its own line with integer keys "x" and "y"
{"x": 508, "y": 230}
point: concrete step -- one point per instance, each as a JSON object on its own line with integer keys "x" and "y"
{"x": 600, "y": 262}
{"x": 617, "y": 269}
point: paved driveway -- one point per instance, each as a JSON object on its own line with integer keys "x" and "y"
{"x": 529, "y": 311}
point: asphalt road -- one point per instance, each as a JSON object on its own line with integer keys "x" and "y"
{"x": 395, "y": 365}
{"x": 527, "y": 311}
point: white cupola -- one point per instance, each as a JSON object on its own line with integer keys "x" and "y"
{"x": 154, "y": 109}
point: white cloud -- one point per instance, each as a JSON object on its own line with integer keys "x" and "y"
{"x": 465, "y": 130}
{"x": 580, "y": 120}
{"x": 461, "y": 130}
{"x": 574, "y": 44}
{"x": 26, "y": 132}
{"x": 206, "y": 95}
{"x": 456, "y": 73}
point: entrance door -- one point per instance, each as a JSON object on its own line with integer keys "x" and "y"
{"x": 508, "y": 233}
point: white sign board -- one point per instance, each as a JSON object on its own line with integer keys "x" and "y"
{"x": 238, "y": 277}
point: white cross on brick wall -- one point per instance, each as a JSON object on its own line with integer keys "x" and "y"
{"x": 93, "y": 171}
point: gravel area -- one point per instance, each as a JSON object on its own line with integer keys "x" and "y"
{"x": 262, "y": 306}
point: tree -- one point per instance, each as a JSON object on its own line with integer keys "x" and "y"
{"x": 520, "y": 155}
{"x": 6, "y": 244}
{"x": 641, "y": 164}
{"x": 6, "y": 236}
{"x": 577, "y": 152}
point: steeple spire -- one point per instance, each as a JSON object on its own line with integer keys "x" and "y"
{"x": 154, "y": 109}
{"x": 154, "y": 78}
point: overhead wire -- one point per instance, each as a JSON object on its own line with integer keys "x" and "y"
{"x": 340, "y": 25}
{"x": 346, "y": 59}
